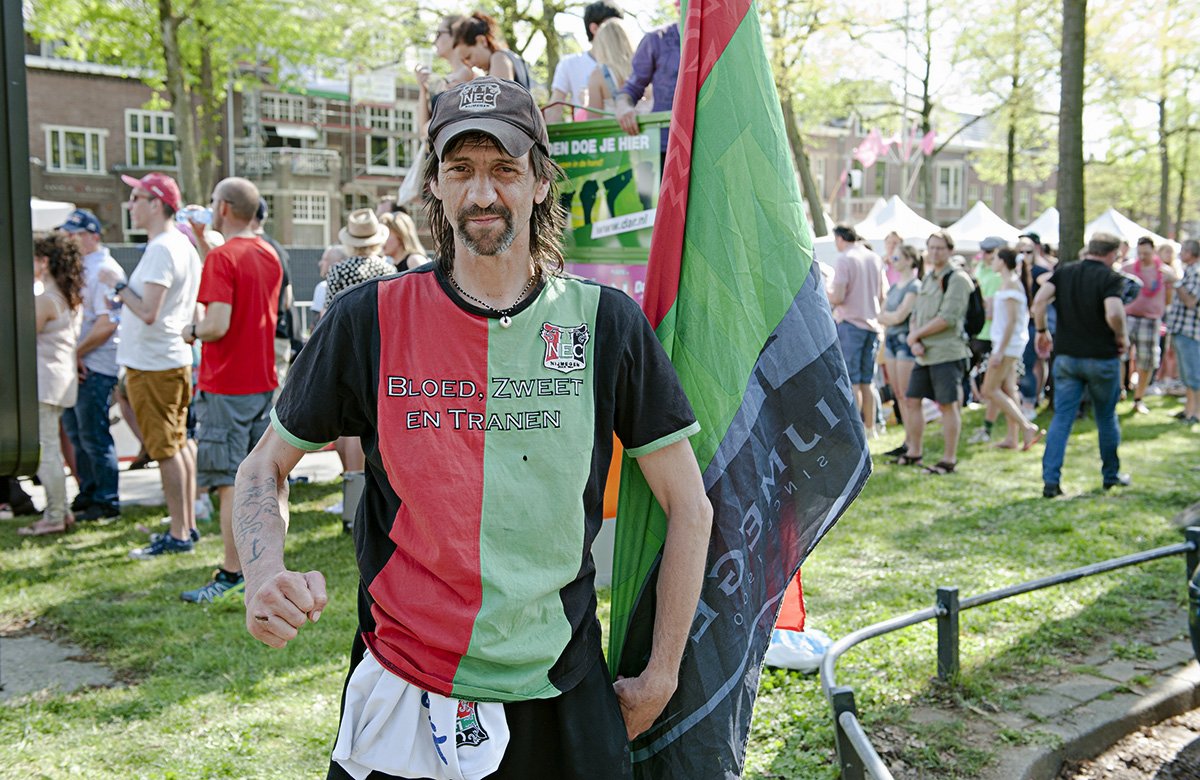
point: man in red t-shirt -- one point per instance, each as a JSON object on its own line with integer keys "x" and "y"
{"x": 240, "y": 290}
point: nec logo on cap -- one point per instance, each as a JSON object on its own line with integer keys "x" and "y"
{"x": 479, "y": 97}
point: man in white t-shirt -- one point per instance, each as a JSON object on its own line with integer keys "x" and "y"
{"x": 570, "y": 80}
{"x": 160, "y": 303}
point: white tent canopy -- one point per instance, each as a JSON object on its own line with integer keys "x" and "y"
{"x": 1113, "y": 221}
{"x": 898, "y": 217}
{"x": 977, "y": 224}
{"x": 1046, "y": 226}
{"x": 49, "y": 214}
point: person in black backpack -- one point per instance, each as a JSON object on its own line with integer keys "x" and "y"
{"x": 938, "y": 340}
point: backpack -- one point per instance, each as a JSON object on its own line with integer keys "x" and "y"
{"x": 976, "y": 315}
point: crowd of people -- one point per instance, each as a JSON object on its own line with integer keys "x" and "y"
{"x": 196, "y": 342}
{"x": 1010, "y": 327}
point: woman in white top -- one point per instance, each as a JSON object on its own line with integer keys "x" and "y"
{"x": 1010, "y": 334}
{"x": 58, "y": 265}
{"x": 614, "y": 61}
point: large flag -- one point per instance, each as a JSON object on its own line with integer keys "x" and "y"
{"x": 736, "y": 299}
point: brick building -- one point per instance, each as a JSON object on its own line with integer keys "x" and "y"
{"x": 315, "y": 153}
{"x": 957, "y": 185}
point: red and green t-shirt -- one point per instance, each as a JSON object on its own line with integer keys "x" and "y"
{"x": 487, "y": 451}
{"x": 246, "y": 274}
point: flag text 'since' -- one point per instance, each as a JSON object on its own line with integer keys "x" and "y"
{"x": 736, "y": 299}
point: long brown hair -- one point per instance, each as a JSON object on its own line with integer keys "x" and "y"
{"x": 65, "y": 264}
{"x": 546, "y": 223}
{"x": 469, "y": 28}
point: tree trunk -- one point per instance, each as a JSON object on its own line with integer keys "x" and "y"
{"x": 211, "y": 114}
{"x": 552, "y": 55}
{"x": 181, "y": 104}
{"x": 1183, "y": 185}
{"x": 1070, "y": 130}
{"x": 816, "y": 208}
{"x": 1010, "y": 173}
{"x": 1164, "y": 169}
{"x": 927, "y": 115}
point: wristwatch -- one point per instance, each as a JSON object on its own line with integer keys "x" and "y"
{"x": 118, "y": 287}
{"x": 194, "y": 331}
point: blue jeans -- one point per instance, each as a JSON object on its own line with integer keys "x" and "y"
{"x": 1101, "y": 379}
{"x": 95, "y": 453}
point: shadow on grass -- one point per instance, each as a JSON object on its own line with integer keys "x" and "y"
{"x": 129, "y": 614}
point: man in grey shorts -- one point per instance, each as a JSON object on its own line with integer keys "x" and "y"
{"x": 237, "y": 366}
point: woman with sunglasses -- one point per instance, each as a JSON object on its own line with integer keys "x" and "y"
{"x": 431, "y": 86}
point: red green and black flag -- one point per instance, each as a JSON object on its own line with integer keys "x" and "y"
{"x": 736, "y": 299}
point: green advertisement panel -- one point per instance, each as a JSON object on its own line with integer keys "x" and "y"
{"x": 611, "y": 191}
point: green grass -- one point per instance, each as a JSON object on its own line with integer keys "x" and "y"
{"x": 199, "y": 698}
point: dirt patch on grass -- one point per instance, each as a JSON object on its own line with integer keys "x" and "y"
{"x": 34, "y": 662}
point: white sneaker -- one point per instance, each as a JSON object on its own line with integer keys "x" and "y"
{"x": 336, "y": 509}
{"x": 203, "y": 508}
{"x": 1029, "y": 412}
{"x": 980, "y": 436}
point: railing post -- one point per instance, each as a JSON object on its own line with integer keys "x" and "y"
{"x": 848, "y": 759}
{"x": 947, "y": 634}
{"x": 1192, "y": 556}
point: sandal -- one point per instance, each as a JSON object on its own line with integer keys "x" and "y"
{"x": 907, "y": 460}
{"x": 1037, "y": 436}
{"x": 941, "y": 468}
{"x": 44, "y": 527}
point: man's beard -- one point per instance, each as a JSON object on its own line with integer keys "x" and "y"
{"x": 489, "y": 244}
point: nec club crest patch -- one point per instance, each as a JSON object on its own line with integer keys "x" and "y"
{"x": 479, "y": 97}
{"x": 468, "y": 729}
{"x": 565, "y": 344}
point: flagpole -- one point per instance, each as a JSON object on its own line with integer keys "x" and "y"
{"x": 904, "y": 150}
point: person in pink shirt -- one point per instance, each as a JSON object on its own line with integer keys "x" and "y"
{"x": 857, "y": 293}
{"x": 1145, "y": 314}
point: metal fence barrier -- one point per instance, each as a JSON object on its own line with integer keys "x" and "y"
{"x": 857, "y": 758}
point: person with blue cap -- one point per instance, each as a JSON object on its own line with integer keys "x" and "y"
{"x": 87, "y": 423}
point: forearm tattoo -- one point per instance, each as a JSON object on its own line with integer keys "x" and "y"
{"x": 256, "y": 504}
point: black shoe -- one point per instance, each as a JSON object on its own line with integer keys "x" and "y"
{"x": 24, "y": 508}
{"x": 1122, "y": 480}
{"x": 1051, "y": 491}
{"x": 901, "y": 450}
{"x": 96, "y": 512}
{"x": 80, "y": 504}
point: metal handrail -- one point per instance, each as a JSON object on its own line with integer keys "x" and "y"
{"x": 856, "y": 756}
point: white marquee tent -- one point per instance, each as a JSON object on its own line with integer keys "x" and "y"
{"x": 977, "y": 224}
{"x": 1046, "y": 226}
{"x": 896, "y": 216}
{"x": 1113, "y": 221}
{"x": 49, "y": 214}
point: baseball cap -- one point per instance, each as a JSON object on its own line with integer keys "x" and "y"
{"x": 1034, "y": 237}
{"x": 992, "y": 243}
{"x": 81, "y": 221}
{"x": 500, "y": 108}
{"x": 160, "y": 185}
{"x": 261, "y": 212}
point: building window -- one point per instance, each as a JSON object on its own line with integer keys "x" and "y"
{"x": 150, "y": 139}
{"x": 310, "y": 219}
{"x": 973, "y": 193}
{"x": 282, "y": 108}
{"x": 75, "y": 150}
{"x": 1023, "y": 201}
{"x": 817, "y": 166}
{"x": 881, "y": 173}
{"x": 390, "y": 139}
{"x": 950, "y": 185}
{"x": 310, "y": 208}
